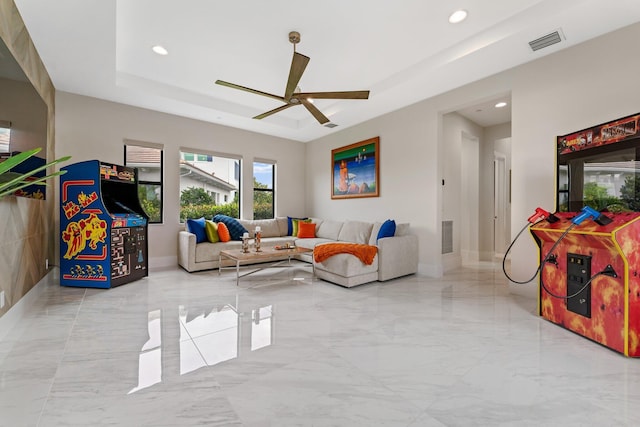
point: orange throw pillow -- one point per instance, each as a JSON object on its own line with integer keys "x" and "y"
{"x": 306, "y": 230}
{"x": 223, "y": 232}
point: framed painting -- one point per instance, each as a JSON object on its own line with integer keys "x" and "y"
{"x": 355, "y": 170}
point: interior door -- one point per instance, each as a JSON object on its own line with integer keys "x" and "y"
{"x": 500, "y": 200}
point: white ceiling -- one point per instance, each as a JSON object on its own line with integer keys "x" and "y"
{"x": 402, "y": 50}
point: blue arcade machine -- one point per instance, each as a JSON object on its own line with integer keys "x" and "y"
{"x": 103, "y": 228}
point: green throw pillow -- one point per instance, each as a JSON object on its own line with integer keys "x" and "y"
{"x": 295, "y": 226}
{"x": 211, "y": 229}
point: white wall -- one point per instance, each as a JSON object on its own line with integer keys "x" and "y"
{"x": 408, "y": 173}
{"x": 88, "y": 128}
{"x": 554, "y": 95}
{"x": 574, "y": 89}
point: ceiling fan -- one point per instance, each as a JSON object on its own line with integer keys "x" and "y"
{"x": 292, "y": 95}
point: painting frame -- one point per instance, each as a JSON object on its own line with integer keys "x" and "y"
{"x": 363, "y": 159}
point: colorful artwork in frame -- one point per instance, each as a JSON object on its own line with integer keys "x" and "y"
{"x": 355, "y": 170}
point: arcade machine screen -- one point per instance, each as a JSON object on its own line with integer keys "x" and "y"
{"x": 593, "y": 171}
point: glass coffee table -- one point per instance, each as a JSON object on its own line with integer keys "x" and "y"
{"x": 272, "y": 257}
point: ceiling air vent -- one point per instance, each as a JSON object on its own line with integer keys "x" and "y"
{"x": 546, "y": 41}
{"x": 330, "y": 125}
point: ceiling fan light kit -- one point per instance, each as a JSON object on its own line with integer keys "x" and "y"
{"x": 292, "y": 94}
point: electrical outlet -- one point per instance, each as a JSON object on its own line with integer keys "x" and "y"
{"x": 1, "y": 299}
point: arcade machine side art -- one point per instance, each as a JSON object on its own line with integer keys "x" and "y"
{"x": 103, "y": 228}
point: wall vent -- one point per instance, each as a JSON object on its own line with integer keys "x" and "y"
{"x": 447, "y": 237}
{"x": 546, "y": 41}
{"x": 330, "y": 125}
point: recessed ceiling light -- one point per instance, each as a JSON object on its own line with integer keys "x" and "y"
{"x": 160, "y": 50}
{"x": 458, "y": 16}
{"x": 501, "y": 104}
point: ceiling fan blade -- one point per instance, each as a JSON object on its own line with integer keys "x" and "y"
{"x": 275, "y": 110}
{"x": 354, "y": 94}
{"x": 247, "y": 89}
{"x": 298, "y": 64}
{"x": 313, "y": 110}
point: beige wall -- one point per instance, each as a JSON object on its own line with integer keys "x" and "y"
{"x": 569, "y": 90}
{"x": 589, "y": 84}
{"x": 88, "y": 128}
{"x": 27, "y": 230}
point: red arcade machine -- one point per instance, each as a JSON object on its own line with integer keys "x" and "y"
{"x": 103, "y": 228}
{"x": 590, "y": 252}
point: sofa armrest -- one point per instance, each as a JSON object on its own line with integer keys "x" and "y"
{"x": 397, "y": 256}
{"x": 187, "y": 250}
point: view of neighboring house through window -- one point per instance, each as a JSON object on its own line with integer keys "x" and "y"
{"x": 149, "y": 161}
{"x": 263, "y": 190}
{"x": 209, "y": 184}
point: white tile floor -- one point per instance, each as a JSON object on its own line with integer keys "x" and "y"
{"x": 194, "y": 349}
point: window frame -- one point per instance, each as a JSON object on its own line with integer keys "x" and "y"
{"x": 271, "y": 190}
{"x": 149, "y": 182}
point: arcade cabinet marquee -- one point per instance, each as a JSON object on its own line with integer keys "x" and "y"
{"x": 103, "y": 228}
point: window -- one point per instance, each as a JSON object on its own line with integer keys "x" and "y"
{"x": 209, "y": 185}
{"x": 149, "y": 161}
{"x": 263, "y": 190}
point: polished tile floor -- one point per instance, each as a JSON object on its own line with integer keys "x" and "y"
{"x": 283, "y": 349}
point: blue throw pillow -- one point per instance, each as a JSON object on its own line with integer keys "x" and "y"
{"x": 388, "y": 229}
{"x": 236, "y": 230}
{"x": 197, "y": 227}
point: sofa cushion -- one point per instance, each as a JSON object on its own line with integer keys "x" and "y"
{"x": 306, "y": 230}
{"x": 236, "y": 230}
{"x": 207, "y": 252}
{"x": 268, "y": 227}
{"x": 388, "y": 229}
{"x": 311, "y": 243}
{"x": 283, "y": 225}
{"x": 329, "y": 230}
{"x": 355, "y": 232}
{"x": 211, "y": 228}
{"x": 373, "y": 239}
{"x": 197, "y": 227}
{"x": 347, "y": 265}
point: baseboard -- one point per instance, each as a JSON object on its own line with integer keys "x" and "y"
{"x": 13, "y": 317}
{"x": 162, "y": 262}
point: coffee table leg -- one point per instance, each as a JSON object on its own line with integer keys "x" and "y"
{"x": 237, "y": 272}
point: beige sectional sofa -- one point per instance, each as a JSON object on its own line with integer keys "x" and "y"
{"x": 397, "y": 256}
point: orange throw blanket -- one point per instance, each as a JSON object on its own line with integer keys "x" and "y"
{"x": 366, "y": 253}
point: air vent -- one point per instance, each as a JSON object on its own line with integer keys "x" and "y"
{"x": 447, "y": 237}
{"x": 330, "y": 125}
{"x": 546, "y": 41}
